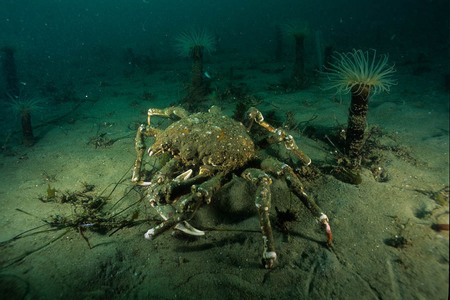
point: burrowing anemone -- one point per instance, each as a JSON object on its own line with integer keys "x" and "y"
{"x": 297, "y": 31}
{"x": 362, "y": 74}
{"x": 25, "y": 106}
{"x": 193, "y": 44}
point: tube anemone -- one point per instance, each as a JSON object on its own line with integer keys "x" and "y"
{"x": 24, "y": 107}
{"x": 362, "y": 75}
{"x": 193, "y": 44}
{"x": 353, "y": 71}
{"x": 299, "y": 33}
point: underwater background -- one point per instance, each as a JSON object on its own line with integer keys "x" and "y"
{"x": 77, "y": 79}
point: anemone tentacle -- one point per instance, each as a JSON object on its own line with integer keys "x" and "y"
{"x": 359, "y": 70}
{"x": 186, "y": 41}
{"x": 24, "y": 104}
{"x": 295, "y": 29}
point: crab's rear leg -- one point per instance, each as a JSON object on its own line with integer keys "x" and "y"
{"x": 280, "y": 136}
{"x": 263, "y": 201}
{"x": 281, "y": 169}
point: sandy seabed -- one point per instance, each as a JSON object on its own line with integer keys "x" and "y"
{"x": 225, "y": 264}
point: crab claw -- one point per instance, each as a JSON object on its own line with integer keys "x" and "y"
{"x": 328, "y": 230}
{"x": 326, "y": 224}
{"x": 149, "y": 234}
{"x": 269, "y": 259}
{"x": 185, "y": 175}
{"x": 189, "y": 229}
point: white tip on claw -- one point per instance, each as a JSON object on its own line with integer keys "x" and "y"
{"x": 271, "y": 254}
{"x": 189, "y": 229}
{"x": 323, "y": 218}
{"x": 185, "y": 175}
{"x": 149, "y": 234}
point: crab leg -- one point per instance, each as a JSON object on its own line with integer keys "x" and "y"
{"x": 280, "y": 135}
{"x": 183, "y": 183}
{"x": 163, "y": 226}
{"x": 263, "y": 202}
{"x": 200, "y": 194}
{"x": 281, "y": 169}
{"x": 140, "y": 150}
{"x": 149, "y": 131}
{"x": 175, "y": 214}
{"x": 167, "y": 112}
{"x": 157, "y": 191}
{"x": 157, "y": 187}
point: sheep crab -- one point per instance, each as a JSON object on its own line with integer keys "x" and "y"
{"x": 205, "y": 149}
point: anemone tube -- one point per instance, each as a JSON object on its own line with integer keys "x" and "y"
{"x": 362, "y": 75}
{"x": 10, "y": 71}
{"x": 193, "y": 44}
{"x": 298, "y": 75}
{"x": 197, "y": 89}
{"x": 356, "y": 126}
{"x": 27, "y": 129}
{"x": 25, "y": 106}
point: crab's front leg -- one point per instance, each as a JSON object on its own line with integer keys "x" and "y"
{"x": 149, "y": 131}
{"x": 201, "y": 194}
{"x": 179, "y": 212}
{"x": 166, "y": 112}
{"x": 184, "y": 183}
{"x": 280, "y": 136}
{"x": 140, "y": 147}
{"x": 157, "y": 192}
{"x": 282, "y": 169}
{"x": 263, "y": 202}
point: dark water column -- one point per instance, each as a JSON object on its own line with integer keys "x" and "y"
{"x": 278, "y": 44}
{"x": 9, "y": 70}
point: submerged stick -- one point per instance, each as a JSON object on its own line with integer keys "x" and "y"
{"x": 21, "y": 234}
{"x": 26, "y": 254}
{"x": 229, "y": 229}
{"x": 80, "y": 229}
{"x": 116, "y": 185}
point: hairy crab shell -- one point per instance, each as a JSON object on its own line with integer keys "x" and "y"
{"x": 207, "y": 139}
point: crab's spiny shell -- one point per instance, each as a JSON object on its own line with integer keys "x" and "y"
{"x": 207, "y": 139}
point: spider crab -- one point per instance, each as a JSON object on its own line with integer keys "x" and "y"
{"x": 205, "y": 149}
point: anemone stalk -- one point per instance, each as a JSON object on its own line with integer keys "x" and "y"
{"x": 361, "y": 75}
